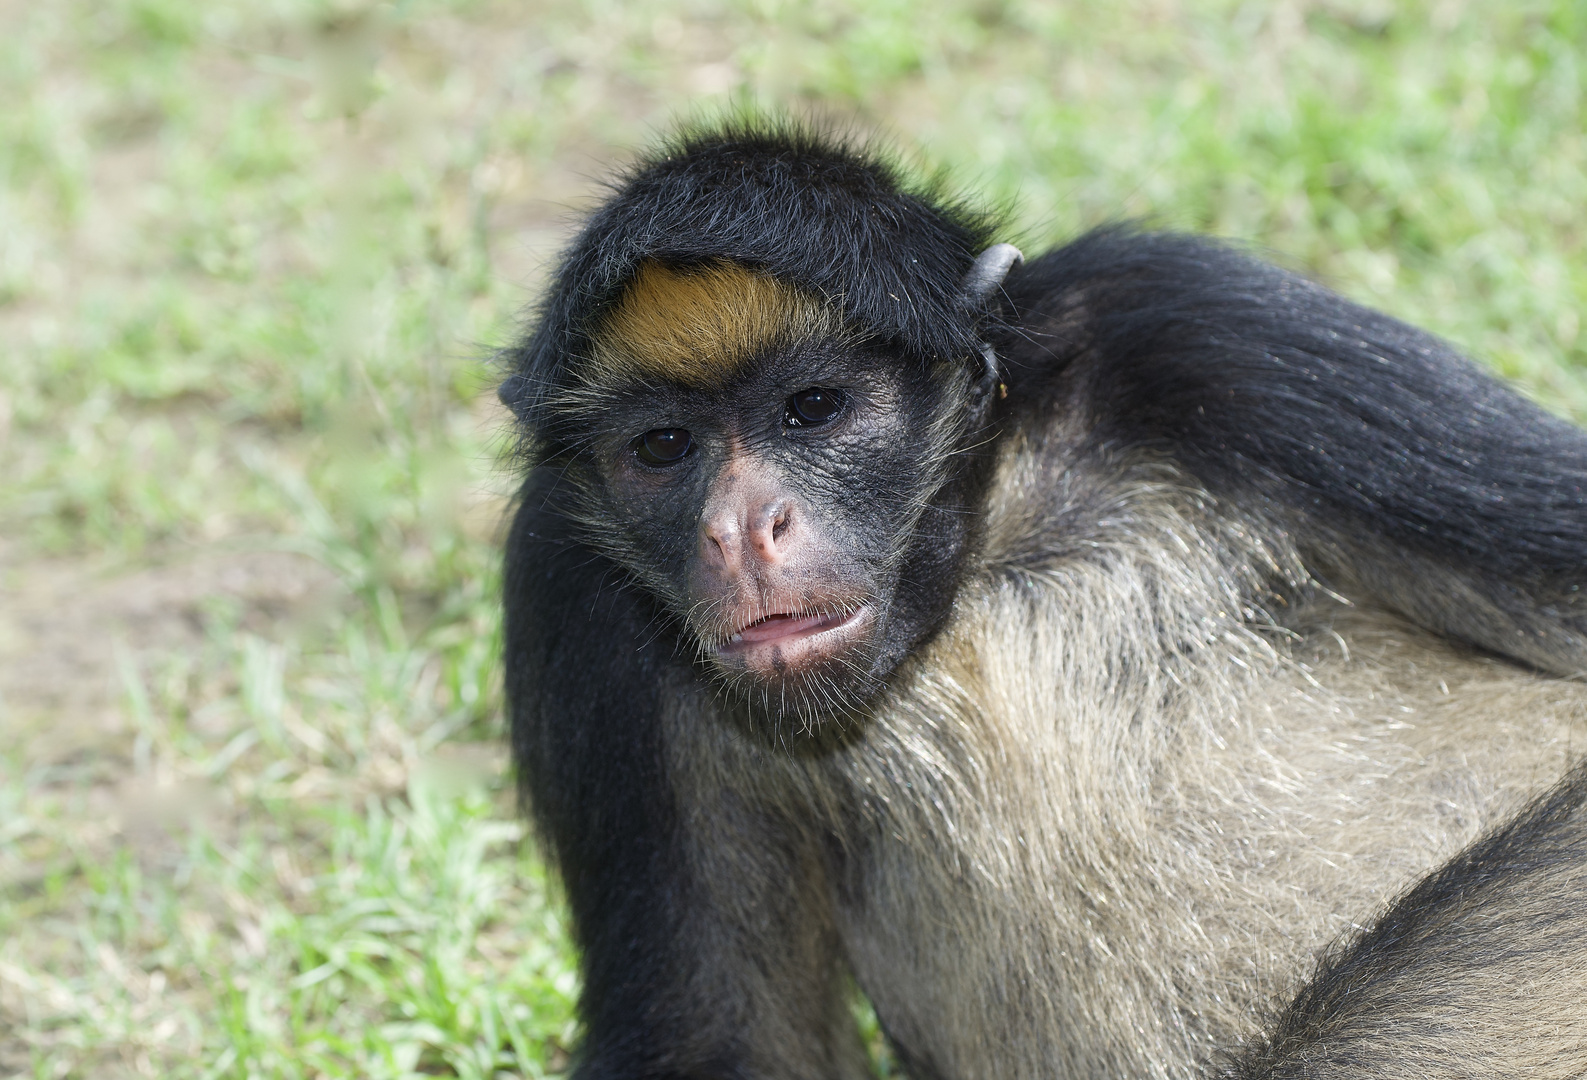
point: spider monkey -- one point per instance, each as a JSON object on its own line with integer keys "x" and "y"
{"x": 1136, "y": 661}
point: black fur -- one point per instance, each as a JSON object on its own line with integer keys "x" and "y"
{"x": 586, "y": 737}
{"x": 1406, "y": 470}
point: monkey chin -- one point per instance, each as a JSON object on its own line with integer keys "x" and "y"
{"x": 802, "y": 668}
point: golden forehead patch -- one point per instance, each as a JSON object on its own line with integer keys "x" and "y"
{"x": 697, "y": 326}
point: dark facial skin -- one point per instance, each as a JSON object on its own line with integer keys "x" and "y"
{"x": 782, "y": 517}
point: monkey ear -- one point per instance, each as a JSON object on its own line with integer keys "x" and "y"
{"x": 990, "y": 268}
{"x": 982, "y": 279}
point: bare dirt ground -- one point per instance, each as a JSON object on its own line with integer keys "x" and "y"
{"x": 77, "y": 633}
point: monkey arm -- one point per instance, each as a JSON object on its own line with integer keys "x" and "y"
{"x": 707, "y": 947}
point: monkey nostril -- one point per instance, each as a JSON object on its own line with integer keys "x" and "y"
{"x": 720, "y": 540}
{"x": 771, "y": 525}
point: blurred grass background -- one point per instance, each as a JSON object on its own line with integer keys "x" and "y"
{"x": 254, "y": 813}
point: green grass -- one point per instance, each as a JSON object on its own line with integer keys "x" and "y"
{"x": 255, "y": 819}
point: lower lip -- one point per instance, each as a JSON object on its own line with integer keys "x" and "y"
{"x": 780, "y": 629}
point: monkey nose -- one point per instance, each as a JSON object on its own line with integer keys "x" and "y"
{"x": 736, "y": 536}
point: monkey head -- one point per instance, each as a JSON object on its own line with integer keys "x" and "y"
{"x": 780, "y": 457}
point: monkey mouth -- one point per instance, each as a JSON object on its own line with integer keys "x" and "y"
{"x": 786, "y": 625}
{"x": 787, "y": 639}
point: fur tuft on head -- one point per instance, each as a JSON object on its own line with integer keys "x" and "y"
{"x": 818, "y": 213}
{"x": 697, "y": 326}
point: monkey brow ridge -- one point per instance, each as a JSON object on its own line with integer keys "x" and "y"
{"x": 698, "y": 326}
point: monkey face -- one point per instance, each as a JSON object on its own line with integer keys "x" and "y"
{"x": 772, "y": 477}
{"x": 777, "y": 516}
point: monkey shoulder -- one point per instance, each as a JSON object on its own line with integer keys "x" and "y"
{"x": 1394, "y": 460}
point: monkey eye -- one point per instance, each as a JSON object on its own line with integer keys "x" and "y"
{"x": 663, "y": 446}
{"x": 816, "y": 405}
